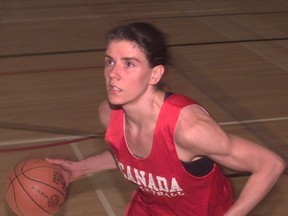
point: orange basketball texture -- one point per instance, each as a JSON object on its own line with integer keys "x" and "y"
{"x": 35, "y": 188}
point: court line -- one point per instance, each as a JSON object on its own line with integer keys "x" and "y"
{"x": 105, "y": 203}
{"x": 254, "y": 121}
{"x": 55, "y": 139}
{"x": 63, "y": 52}
{"x": 43, "y": 140}
{"x": 168, "y": 15}
{"x": 55, "y": 70}
{"x": 203, "y": 80}
{"x": 245, "y": 43}
{"x": 96, "y": 16}
{"x": 61, "y": 139}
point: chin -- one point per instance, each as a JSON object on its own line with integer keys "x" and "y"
{"x": 115, "y": 101}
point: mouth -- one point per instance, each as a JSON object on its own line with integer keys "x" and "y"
{"x": 114, "y": 89}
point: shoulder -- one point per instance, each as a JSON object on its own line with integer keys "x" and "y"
{"x": 192, "y": 118}
{"x": 197, "y": 133}
{"x": 180, "y": 100}
{"x": 104, "y": 112}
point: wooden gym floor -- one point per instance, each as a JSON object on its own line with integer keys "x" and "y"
{"x": 230, "y": 55}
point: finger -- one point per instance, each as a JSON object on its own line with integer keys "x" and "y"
{"x": 55, "y": 161}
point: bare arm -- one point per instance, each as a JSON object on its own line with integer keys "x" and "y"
{"x": 201, "y": 135}
{"x": 104, "y": 161}
{"x": 265, "y": 166}
{"x": 73, "y": 170}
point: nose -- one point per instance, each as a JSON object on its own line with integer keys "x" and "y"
{"x": 113, "y": 71}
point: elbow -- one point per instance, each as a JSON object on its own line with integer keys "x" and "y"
{"x": 273, "y": 167}
{"x": 279, "y": 166}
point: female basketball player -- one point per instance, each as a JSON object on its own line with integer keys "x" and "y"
{"x": 166, "y": 143}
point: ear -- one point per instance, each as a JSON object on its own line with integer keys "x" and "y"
{"x": 156, "y": 75}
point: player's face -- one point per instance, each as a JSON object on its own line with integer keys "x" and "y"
{"x": 127, "y": 72}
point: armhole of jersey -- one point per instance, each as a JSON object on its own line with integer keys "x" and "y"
{"x": 202, "y": 166}
{"x": 202, "y": 108}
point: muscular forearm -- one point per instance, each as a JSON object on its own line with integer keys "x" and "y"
{"x": 256, "y": 188}
{"x": 97, "y": 163}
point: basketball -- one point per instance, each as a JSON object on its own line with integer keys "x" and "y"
{"x": 35, "y": 188}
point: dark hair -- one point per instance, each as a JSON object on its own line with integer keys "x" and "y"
{"x": 149, "y": 39}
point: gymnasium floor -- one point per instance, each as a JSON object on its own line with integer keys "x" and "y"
{"x": 230, "y": 55}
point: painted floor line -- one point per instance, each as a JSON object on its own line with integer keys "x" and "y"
{"x": 9, "y": 19}
{"x": 43, "y": 140}
{"x": 55, "y": 139}
{"x": 254, "y": 121}
{"x": 99, "y": 192}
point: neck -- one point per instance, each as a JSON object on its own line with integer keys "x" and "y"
{"x": 145, "y": 110}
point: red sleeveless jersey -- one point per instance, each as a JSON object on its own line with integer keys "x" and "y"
{"x": 165, "y": 187}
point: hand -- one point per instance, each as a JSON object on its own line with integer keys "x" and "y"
{"x": 69, "y": 169}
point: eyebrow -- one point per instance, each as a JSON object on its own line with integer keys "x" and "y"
{"x": 107, "y": 56}
{"x": 131, "y": 58}
{"x": 125, "y": 58}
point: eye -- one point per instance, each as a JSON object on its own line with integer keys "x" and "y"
{"x": 108, "y": 62}
{"x": 129, "y": 64}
